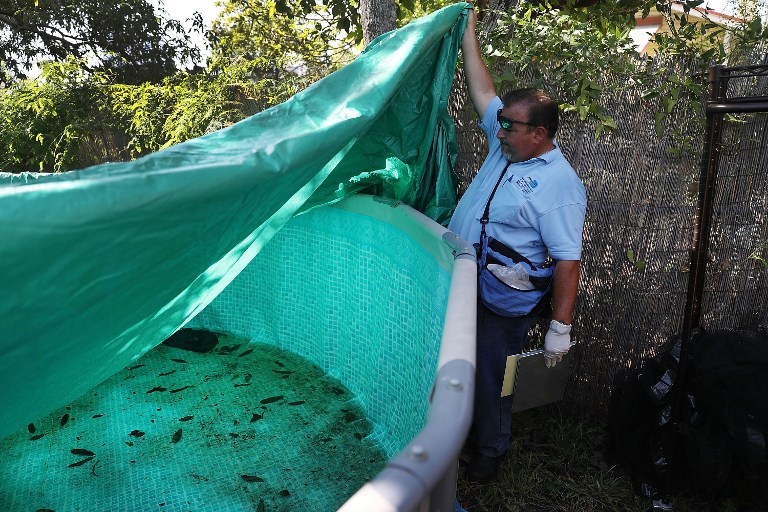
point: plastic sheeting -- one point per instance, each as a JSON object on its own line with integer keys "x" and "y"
{"x": 102, "y": 264}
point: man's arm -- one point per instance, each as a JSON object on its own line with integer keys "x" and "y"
{"x": 565, "y": 285}
{"x": 479, "y": 81}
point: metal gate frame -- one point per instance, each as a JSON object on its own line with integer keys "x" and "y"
{"x": 717, "y": 106}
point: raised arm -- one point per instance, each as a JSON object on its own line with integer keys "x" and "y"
{"x": 479, "y": 82}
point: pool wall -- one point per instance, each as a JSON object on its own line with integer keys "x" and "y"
{"x": 382, "y": 298}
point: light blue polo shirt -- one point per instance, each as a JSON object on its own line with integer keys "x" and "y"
{"x": 538, "y": 209}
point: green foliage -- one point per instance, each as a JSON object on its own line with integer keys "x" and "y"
{"x": 571, "y": 50}
{"x": 343, "y": 15}
{"x": 279, "y": 38}
{"x": 264, "y": 51}
{"x": 45, "y": 119}
{"x": 185, "y": 106}
{"x": 757, "y": 254}
{"x": 52, "y": 121}
{"x": 128, "y": 37}
{"x": 408, "y": 10}
{"x": 574, "y": 46}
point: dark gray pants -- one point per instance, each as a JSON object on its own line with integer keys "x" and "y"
{"x": 497, "y": 338}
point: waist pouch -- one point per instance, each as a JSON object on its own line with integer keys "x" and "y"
{"x": 500, "y": 297}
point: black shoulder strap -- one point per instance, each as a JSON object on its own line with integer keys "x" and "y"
{"x": 486, "y": 213}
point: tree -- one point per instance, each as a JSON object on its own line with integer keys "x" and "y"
{"x": 377, "y": 17}
{"x": 46, "y": 121}
{"x": 125, "y": 36}
{"x": 278, "y": 38}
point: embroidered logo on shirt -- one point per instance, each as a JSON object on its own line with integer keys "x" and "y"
{"x": 527, "y": 184}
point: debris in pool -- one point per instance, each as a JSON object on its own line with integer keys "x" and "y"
{"x": 97, "y": 416}
{"x": 81, "y": 451}
{"x": 165, "y": 374}
{"x": 260, "y": 508}
{"x": 242, "y": 384}
{"x": 178, "y": 361}
{"x": 195, "y": 340}
{"x": 251, "y": 478}
{"x": 256, "y": 417}
{"x": 284, "y": 493}
{"x": 298, "y": 402}
{"x": 176, "y": 436}
{"x": 35, "y": 438}
{"x": 337, "y": 391}
{"x": 349, "y": 416}
{"x": 186, "y": 418}
{"x": 157, "y": 388}
{"x": 44, "y": 510}
{"x": 248, "y": 377}
{"x": 181, "y": 389}
{"x": 278, "y": 363}
{"x": 137, "y": 433}
{"x": 245, "y": 353}
{"x": 31, "y": 428}
{"x": 283, "y": 372}
{"x": 134, "y": 367}
{"x": 64, "y": 419}
{"x": 272, "y": 399}
{"x": 80, "y": 462}
{"x": 358, "y": 436}
{"x": 228, "y": 349}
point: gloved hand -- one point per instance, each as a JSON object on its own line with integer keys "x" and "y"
{"x": 557, "y": 342}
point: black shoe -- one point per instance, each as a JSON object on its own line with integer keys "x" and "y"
{"x": 483, "y": 469}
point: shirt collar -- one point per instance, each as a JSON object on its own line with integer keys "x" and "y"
{"x": 548, "y": 157}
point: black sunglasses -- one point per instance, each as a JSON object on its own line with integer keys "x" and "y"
{"x": 507, "y": 123}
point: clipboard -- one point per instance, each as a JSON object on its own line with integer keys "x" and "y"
{"x": 531, "y": 383}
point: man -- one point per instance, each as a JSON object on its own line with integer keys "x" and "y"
{"x": 537, "y": 208}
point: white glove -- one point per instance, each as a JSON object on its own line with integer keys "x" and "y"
{"x": 557, "y": 342}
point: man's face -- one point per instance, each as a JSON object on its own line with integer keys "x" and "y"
{"x": 518, "y": 139}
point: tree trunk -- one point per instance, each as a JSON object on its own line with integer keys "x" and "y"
{"x": 377, "y": 17}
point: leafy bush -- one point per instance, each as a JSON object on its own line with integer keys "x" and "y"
{"x": 45, "y": 119}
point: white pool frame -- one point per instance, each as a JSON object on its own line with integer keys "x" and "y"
{"x": 423, "y": 474}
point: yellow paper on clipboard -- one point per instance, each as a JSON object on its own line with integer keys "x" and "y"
{"x": 510, "y": 375}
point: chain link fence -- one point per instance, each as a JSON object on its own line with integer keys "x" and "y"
{"x": 643, "y": 192}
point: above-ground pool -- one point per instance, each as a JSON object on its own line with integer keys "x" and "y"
{"x": 345, "y": 355}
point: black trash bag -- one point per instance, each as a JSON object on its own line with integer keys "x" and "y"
{"x": 719, "y": 443}
{"x": 729, "y": 381}
{"x": 638, "y": 429}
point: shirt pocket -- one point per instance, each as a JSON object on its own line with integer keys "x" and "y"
{"x": 506, "y": 205}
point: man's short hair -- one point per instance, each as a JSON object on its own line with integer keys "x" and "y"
{"x": 542, "y": 108}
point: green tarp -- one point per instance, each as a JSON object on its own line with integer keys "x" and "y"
{"x": 102, "y": 264}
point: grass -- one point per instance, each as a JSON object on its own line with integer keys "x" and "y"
{"x": 557, "y": 464}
